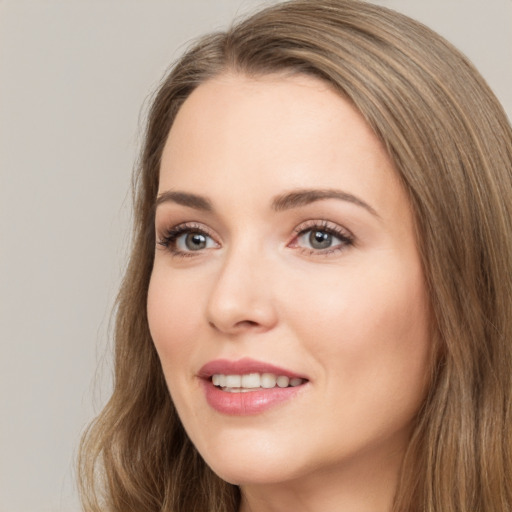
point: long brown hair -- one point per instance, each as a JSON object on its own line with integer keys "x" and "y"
{"x": 452, "y": 147}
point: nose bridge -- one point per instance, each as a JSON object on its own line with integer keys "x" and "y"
{"x": 241, "y": 296}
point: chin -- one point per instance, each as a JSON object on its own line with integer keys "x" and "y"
{"x": 252, "y": 474}
{"x": 237, "y": 475}
{"x": 260, "y": 462}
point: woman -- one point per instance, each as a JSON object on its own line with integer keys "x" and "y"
{"x": 317, "y": 311}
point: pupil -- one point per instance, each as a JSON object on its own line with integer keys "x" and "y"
{"x": 195, "y": 241}
{"x": 320, "y": 239}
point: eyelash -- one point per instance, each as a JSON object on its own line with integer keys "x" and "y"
{"x": 169, "y": 238}
{"x": 346, "y": 238}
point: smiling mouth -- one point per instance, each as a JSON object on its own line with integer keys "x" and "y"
{"x": 254, "y": 382}
{"x": 247, "y": 387}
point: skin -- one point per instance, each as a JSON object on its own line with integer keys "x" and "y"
{"x": 353, "y": 318}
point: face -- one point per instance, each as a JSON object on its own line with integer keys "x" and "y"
{"x": 287, "y": 301}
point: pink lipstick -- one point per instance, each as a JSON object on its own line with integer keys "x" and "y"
{"x": 247, "y": 386}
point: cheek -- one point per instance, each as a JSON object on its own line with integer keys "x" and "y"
{"x": 373, "y": 324}
{"x": 172, "y": 316}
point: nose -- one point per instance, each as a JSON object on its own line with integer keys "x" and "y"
{"x": 242, "y": 295}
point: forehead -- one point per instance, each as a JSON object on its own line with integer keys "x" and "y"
{"x": 272, "y": 112}
{"x": 273, "y": 132}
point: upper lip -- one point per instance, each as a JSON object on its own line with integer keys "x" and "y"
{"x": 242, "y": 367}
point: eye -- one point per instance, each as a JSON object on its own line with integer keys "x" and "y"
{"x": 322, "y": 237}
{"x": 317, "y": 239}
{"x": 185, "y": 239}
{"x": 193, "y": 241}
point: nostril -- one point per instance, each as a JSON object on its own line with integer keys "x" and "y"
{"x": 247, "y": 323}
{"x": 242, "y": 324}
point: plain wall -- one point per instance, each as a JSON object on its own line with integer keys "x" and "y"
{"x": 73, "y": 77}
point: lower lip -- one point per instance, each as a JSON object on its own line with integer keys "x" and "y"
{"x": 249, "y": 402}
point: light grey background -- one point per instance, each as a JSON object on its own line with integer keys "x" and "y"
{"x": 73, "y": 77}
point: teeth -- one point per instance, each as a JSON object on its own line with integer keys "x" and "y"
{"x": 233, "y": 381}
{"x": 219, "y": 380}
{"x": 253, "y": 381}
{"x": 268, "y": 380}
{"x": 283, "y": 381}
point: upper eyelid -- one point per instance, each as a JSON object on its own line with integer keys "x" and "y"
{"x": 186, "y": 226}
{"x": 323, "y": 225}
{"x": 170, "y": 233}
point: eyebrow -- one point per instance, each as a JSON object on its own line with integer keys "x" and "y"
{"x": 185, "y": 199}
{"x": 303, "y": 197}
{"x": 287, "y": 201}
